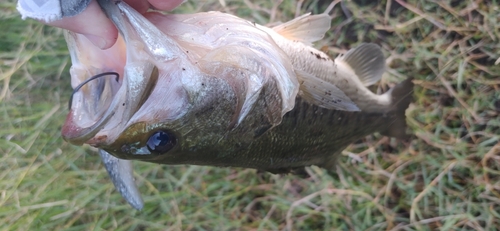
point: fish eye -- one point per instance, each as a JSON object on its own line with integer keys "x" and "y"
{"x": 161, "y": 142}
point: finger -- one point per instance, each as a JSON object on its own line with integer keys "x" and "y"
{"x": 92, "y": 23}
{"x": 166, "y": 5}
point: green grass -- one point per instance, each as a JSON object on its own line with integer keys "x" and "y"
{"x": 447, "y": 177}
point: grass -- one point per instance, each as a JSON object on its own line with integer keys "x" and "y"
{"x": 446, "y": 178}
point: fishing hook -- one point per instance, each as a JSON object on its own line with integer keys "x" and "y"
{"x": 88, "y": 80}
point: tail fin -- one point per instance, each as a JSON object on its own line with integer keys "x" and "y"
{"x": 402, "y": 96}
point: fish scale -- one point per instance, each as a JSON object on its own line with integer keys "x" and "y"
{"x": 308, "y": 136}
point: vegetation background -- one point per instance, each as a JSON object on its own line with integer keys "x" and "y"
{"x": 446, "y": 177}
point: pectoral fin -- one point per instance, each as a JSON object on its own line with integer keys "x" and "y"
{"x": 306, "y": 28}
{"x": 122, "y": 175}
{"x": 367, "y": 61}
{"x": 322, "y": 93}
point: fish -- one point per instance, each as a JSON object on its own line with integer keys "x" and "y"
{"x": 214, "y": 89}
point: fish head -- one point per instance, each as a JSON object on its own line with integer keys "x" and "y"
{"x": 169, "y": 105}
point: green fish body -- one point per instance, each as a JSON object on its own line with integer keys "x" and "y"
{"x": 214, "y": 89}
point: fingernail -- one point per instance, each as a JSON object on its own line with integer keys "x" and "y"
{"x": 97, "y": 41}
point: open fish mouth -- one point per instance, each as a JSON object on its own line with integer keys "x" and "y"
{"x": 89, "y": 106}
{"x": 102, "y": 104}
{"x": 95, "y": 87}
{"x": 109, "y": 87}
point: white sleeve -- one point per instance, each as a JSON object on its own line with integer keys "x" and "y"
{"x": 50, "y": 10}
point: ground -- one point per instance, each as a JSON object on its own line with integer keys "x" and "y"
{"x": 446, "y": 177}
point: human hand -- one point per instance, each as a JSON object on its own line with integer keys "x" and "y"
{"x": 93, "y": 23}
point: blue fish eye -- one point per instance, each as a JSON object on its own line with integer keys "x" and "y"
{"x": 161, "y": 142}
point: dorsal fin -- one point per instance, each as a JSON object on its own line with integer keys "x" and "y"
{"x": 322, "y": 93}
{"x": 306, "y": 28}
{"x": 367, "y": 61}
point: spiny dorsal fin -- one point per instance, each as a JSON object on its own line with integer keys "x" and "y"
{"x": 306, "y": 28}
{"x": 367, "y": 61}
{"x": 322, "y": 93}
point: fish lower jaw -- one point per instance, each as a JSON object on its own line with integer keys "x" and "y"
{"x": 76, "y": 134}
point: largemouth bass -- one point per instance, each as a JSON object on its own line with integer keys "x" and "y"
{"x": 214, "y": 89}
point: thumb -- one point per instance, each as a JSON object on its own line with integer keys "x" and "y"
{"x": 93, "y": 24}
